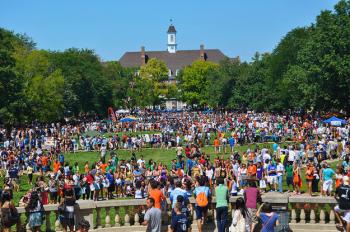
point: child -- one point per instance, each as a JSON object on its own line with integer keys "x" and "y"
{"x": 179, "y": 222}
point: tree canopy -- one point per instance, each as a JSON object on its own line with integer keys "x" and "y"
{"x": 309, "y": 69}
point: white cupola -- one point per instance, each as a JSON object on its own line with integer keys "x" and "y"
{"x": 172, "y": 46}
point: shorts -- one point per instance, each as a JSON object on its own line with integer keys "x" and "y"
{"x": 289, "y": 180}
{"x": 346, "y": 216}
{"x": 252, "y": 218}
{"x": 327, "y": 185}
{"x": 53, "y": 195}
{"x": 272, "y": 179}
{"x": 200, "y": 211}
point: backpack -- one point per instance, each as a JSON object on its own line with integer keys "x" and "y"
{"x": 9, "y": 216}
{"x": 202, "y": 200}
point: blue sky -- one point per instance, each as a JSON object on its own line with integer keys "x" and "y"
{"x": 112, "y": 27}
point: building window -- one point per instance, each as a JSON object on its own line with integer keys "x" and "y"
{"x": 177, "y": 72}
{"x": 171, "y": 38}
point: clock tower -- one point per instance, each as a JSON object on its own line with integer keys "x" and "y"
{"x": 172, "y": 46}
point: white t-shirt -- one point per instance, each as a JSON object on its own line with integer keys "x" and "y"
{"x": 291, "y": 156}
{"x": 280, "y": 169}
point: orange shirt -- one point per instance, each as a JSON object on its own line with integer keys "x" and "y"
{"x": 44, "y": 160}
{"x": 56, "y": 166}
{"x": 216, "y": 142}
{"x": 103, "y": 167}
{"x": 158, "y": 196}
{"x": 310, "y": 173}
{"x": 86, "y": 168}
{"x": 251, "y": 170}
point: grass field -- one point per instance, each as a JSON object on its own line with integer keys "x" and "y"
{"x": 158, "y": 155}
{"x": 163, "y": 155}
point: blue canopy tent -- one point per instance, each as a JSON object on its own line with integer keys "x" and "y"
{"x": 128, "y": 119}
{"x": 334, "y": 121}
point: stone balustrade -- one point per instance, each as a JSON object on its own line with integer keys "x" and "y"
{"x": 126, "y": 215}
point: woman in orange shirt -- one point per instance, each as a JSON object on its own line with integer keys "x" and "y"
{"x": 216, "y": 145}
{"x": 296, "y": 178}
{"x": 309, "y": 175}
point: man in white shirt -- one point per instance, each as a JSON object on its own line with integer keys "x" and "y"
{"x": 140, "y": 161}
{"x": 280, "y": 172}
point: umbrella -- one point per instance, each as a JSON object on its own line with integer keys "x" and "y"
{"x": 128, "y": 119}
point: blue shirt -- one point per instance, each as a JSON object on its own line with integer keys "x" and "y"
{"x": 177, "y": 192}
{"x": 231, "y": 141}
{"x": 275, "y": 146}
{"x": 200, "y": 189}
{"x": 272, "y": 167}
{"x": 189, "y": 164}
{"x": 179, "y": 223}
{"x": 328, "y": 174}
{"x": 268, "y": 222}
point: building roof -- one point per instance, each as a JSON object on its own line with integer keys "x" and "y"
{"x": 174, "y": 61}
{"x": 171, "y": 29}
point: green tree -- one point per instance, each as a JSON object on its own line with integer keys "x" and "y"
{"x": 194, "y": 82}
{"x": 155, "y": 70}
{"x": 326, "y": 59}
{"x": 121, "y": 79}
{"x": 12, "y": 103}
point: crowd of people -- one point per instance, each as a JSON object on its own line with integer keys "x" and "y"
{"x": 39, "y": 153}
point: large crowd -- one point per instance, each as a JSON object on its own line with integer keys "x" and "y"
{"x": 302, "y": 151}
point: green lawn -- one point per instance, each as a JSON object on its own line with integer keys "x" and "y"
{"x": 158, "y": 155}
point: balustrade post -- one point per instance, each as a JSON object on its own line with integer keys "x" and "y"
{"x": 98, "y": 218}
{"x": 302, "y": 216}
{"x": 117, "y": 217}
{"x": 322, "y": 217}
{"x": 136, "y": 219}
{"x": 312, "y": 216}
{"x": 294, "y": 216}
{"x": 28, "y": 229}
{"x": 48, "y": 223}
{"x": 108, "y": 218}
{"x": 127, "y": 219}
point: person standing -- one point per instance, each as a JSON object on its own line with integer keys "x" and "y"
{"x": 202, "y": 196}
{"x": 252, "y": 197}
{"x": 222, "y": 197}
{"x": 68, "y": 210}
{"x": 327, "y": 175}
{"x": 35, "y": 209}
{"x": 9, "y": 214}
{"x": 280, "y": 172}
{"x": 309, "y": 175}
{"x": 342, "y": 195}
{"x": 269, "y": 219}
{"x": 153, "y": 217}
{"x": 179, "y": 221}
{"x": 156, "y": 194}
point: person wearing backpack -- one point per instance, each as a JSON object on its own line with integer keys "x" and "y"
{"x": 9, "y": 214}
{"x": 202, "y": 195}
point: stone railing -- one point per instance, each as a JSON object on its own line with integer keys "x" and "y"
{"x": 126, "y": 215}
